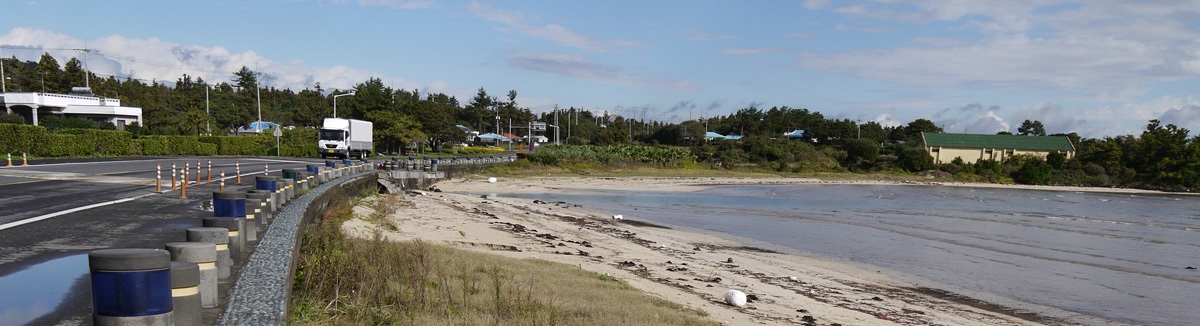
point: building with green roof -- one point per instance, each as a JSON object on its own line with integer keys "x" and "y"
{"x": 944, "y": 147}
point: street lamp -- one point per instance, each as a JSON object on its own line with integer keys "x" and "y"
{"x": 335, "y": 102}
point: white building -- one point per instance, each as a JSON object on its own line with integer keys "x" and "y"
{"x": 87, "y": 106}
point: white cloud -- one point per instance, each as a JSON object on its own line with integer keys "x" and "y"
{"x": 711, "y": 37}
{"x": 1113, "y": 46}
{"x": 745, "y": 51}
{"x": 153, "y": 59}
{"x": 583, "y": 68}
{"x": 557, "y": 34}
{"x": 399, "y": 4}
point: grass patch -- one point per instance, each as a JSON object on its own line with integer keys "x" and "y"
{"x": 345, "y": 281}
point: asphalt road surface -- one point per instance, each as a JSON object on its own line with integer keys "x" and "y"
{"x": 52, "y": 215}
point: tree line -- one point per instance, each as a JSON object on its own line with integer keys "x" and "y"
{"x": 1161, "y": 157}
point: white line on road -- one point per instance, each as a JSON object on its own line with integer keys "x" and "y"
{"x": 69, "y": 211}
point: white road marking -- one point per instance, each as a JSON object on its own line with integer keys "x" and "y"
{"x": 69, "y": 211}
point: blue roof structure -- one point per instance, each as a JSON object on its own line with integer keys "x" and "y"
{"x": 713, "y": 135}
{"x": 733, "y": 137}
{"x": 493, "y": 136}
{"x": 795, "y": 134}
{"x": 258, "y": 125}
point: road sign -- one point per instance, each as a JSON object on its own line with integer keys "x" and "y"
{"x": 537, "y": 126}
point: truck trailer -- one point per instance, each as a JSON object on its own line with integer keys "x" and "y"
{"x": 345, "y": 138}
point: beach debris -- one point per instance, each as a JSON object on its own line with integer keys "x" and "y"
{"x": 735, "y": 298}
{"x": 618, "y": 217}
{"x": 538, "y": 201}
{"x": 808, "y": 319}
{"x": 877, "y": 298}
{"x": 491, "y": 179}
{"x": 1189, "y": 267}
{"x": 793, "y": 279}
{"x": 729, "y": 260}
{"x": 751, "y": 298}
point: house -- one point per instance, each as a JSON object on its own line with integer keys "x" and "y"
{"x": 945, "y": 147}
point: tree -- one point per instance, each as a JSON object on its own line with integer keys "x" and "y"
{"x": 73, "y": 75}
{"x": 394, "y": 130}
{"x": 860, "y": 153}
{"x": 912, "y": 132}
{"x": 1034, "y": 171}
{"x": 1031, "y": 128}
{"x": 480, "y": 112}
{"x": 915, "y": 159}
{"x": 245, "y": 79}
{"x": 49, "y": 74}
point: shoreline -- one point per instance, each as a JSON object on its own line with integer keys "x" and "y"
{"x": 690, "y": 267}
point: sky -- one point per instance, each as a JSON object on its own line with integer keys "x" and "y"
{"x": 1098, "y": 67}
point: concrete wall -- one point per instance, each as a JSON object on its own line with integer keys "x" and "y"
{"x": 972, "y": 155}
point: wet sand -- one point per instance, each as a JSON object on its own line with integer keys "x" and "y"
{"x": 690, "y": 268}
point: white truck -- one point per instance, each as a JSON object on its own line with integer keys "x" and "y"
{"x": 345, "y": 138}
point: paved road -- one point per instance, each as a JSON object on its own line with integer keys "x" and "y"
{"x": 43, "y": 263}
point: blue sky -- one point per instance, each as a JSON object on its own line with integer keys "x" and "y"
{"x": 1099, "y": 68}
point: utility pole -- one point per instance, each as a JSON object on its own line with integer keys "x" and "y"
{"x": 258, "y": 96}
{"x": 3, "y": 82}
{"x": 207, "y": 126}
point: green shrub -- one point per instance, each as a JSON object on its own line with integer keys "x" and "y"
{"x": 103, "y": 142}
{"x": 21, "y": 138}
{"x": 58, "y": 145}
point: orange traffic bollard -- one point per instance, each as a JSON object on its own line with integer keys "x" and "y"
{"x": 222, "y": 181}
{"x": 158, "y": 178}
{"x": 238, "y": 166}
{"x": 209, "y": 171}
{"x": 183, "y": 190}
{"x": 197, "y": 173}
{"x": 24, "y": 159}
{"x": 187, "y": 172}
{"x": 9, "y": 159}
{"x": 172, "y": 176}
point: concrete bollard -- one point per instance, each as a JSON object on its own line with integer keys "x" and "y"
{"x": 261, "y": 198}
{"x": 314, "y": 173}
{"x": 237, "y": 241}
{"x": 267, "y": 183}
{"x": 219, "y": 238}
{"x": 289, "y": 188}
{"x": 185, "y": 294}
{"x": 204, "y": 255}
{"x": 232, "y": 204}
{"x": 131, "y": 287}
{"x": 254, "y": 215}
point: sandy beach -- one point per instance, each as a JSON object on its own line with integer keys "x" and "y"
{"x": 689, "y": 268}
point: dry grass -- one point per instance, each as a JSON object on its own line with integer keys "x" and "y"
{"x": 347, "y": 281}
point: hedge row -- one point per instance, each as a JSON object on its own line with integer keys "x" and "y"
{"x": 37, "y": 141}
